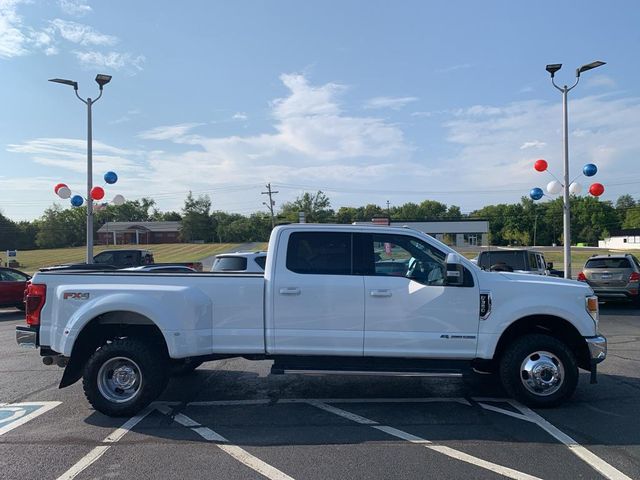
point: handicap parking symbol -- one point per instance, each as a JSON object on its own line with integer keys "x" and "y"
{"x": 16, "y": 414}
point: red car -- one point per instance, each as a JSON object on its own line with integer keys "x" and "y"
{"x": 12, "y": 285}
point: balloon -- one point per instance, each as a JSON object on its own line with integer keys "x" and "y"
{"x": 596, "y": 189}
{"x": 97, "y": 193}
{"x": 58, "y": 187}
{"x": 575, "y": 188}
{"x": 554, "y": 187}
{"x": 110, "y": 177}
{"x": 536, "y": 193}
{"x": 589, "y": 170}
{"x": 77, "y": 200}
{"x": 64, "y": 192}
{"x": 118, "y": 200}
{"x": 540, "y": 165}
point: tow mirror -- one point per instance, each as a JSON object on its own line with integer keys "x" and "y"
{"x": 455, "y": 270}
{"x": 549, "y": 265}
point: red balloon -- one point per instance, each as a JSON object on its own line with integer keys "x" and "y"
{"x": 58, "y": 187}
{"x": 540, "y": 165}
{"x": 596, "y": 189}
{"x": 97, "y": 193}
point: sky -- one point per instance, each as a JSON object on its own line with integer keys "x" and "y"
{"x": 369, "y": 101}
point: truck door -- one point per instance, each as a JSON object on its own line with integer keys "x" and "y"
{"x": 318, "y": 303}
{"x": 410, "y": 311}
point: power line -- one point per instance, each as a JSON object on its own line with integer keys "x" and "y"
{"x": 271, "y": 203}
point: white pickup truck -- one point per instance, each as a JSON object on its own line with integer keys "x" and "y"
{"x": 333, "y": 299}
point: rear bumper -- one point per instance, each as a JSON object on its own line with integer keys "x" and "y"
{"x": 620, "y": 292}
{"x": 27, "y": 337}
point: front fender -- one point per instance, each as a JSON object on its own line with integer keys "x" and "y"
{"x": 184, "y": 315}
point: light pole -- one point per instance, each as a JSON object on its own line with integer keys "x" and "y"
{"x": 552, "y": 69}
{"x": 101, "y": 80}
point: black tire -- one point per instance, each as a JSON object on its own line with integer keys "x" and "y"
{"x": 182, "y": 368}
{"x": 121, "y": 362}
{"x": 554, "y": 364}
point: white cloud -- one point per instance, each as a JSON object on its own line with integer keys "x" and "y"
{"x": 239, "y": 116}
{"x": 13, "y": 42}
{"x": 174, "y": 133}
{"x": 76, "y": 8}
{"x": 82, "y": 34}
{"x": 600, "y": 81}
{"x": 111, "y": 60}
{"x": 453, "y": 68}
{"x": 534, "y": 144}
{"x": 394, "y": 103}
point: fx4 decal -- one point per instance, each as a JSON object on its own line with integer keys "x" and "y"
{"x": 76, "y": 295}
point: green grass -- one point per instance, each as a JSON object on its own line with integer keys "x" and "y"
{"x": 31, "y": 260}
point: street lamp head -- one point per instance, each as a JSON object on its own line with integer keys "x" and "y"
{"x": 65, "y": 82}
{"x": 102, "y": 79}
{"x": 589, "y": 66}
{"x": 553, "y": 68}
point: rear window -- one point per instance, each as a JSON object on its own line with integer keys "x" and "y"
{"x": 229, "y": 263}
{"x": 513, "y": 259}
{"x": 608, "y": 263}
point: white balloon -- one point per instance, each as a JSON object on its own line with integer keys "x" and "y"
{"x": 118, "y": 200}
{"x": 64, "y": 192}
{"x": 575, "y": 188}
{"x": 554, "y": 187}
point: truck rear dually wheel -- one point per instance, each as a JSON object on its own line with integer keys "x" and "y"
{"x": 539, "y": 370}
{"x": 124, "y": 376}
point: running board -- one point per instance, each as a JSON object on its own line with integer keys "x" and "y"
{"x": 379, "y": 366}
{"x": 366, "y": 372}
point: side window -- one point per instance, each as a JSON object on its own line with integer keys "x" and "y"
{"x": 404, "y": 256}
{"x": 104, "y": 257}
{"x": 319, "y": 253}
{"x": 261, "y": 261}
{"x": 533, "y": 261}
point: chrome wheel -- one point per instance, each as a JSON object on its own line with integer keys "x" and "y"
{"x": 542, "y": 373}
{"x": 119, "y": 379}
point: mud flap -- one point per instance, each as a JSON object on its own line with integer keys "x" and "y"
{"x": 594, "y": 373}
{"x": 75, "y": 368}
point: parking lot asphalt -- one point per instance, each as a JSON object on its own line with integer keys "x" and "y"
{"x": 232, "y": 420}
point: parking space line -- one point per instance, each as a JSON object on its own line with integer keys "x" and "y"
{"x": 587, "y": 456}
{"x": 234, "y": 451}
{"x": 450, "y": 452}
{"x": 509, "y": 413}
{"x": 43, "y": 408}
{"x": 97, "y": 452}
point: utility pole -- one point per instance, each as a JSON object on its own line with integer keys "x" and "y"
{"x": 271, "y": 203}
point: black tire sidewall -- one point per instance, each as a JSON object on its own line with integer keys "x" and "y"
{"x": 512, "y": 360}
{"x": 153, "y": 368}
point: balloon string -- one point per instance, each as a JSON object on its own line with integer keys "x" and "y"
{"x": 554, "y": 177}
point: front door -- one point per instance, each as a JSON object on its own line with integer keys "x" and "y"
{"x": 410, "y": 310}
{"x": 318, "y": 303}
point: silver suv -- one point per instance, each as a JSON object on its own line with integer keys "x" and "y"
{"x": 240, "y": 262}
{"x": 613, "y": 276}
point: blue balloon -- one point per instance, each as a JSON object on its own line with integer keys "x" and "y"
{"x": 110, "y": 178}
{"x": 77, "y": 200}
{"x": 536, "y": 193}
{"x": 589, "y": 170}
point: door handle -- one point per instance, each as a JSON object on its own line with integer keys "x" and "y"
{"x": 380, "y": 293}
{"x": 290, "y": 291}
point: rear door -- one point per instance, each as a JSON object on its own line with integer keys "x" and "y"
{"x": 414, "y": 313}
{"x": 318, "y": 303}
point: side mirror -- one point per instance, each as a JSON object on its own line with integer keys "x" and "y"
{"x": 549, "y": 265}
{"x": 455, "y": 270}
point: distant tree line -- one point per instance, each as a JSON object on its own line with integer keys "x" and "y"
{"x": 510, "y": 224}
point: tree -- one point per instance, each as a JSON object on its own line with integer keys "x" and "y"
{"x": 197, "y": 222}
{"x": 59, "y": 227}
{"x": 632, "y": 218}
{"x": 316, "y": 208}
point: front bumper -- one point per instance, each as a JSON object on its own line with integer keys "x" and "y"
{"x": 27, "y": 337}
{"x": 597, "y": 348}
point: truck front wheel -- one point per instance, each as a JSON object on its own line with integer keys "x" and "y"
{"x": 539, "y": 370}
{"x": 124, "y": 376}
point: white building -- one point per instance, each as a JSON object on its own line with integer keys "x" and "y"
{"x": 622, "y": 240}
{"x": 457, "y": 233}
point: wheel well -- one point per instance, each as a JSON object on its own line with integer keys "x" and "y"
{"x": 104, "y": 328}
{"x": 546, "y": 324}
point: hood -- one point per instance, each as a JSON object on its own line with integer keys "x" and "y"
{"x": 540, "y": 279}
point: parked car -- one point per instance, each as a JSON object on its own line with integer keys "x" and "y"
{"x": 162, "y": 268}
{"x": 240, "y": 262}
{"x": 114, "y": 259}
{"x": 518, "y": 261}
{"x": 12, "y": 286}
{"x": 613, "y": 276}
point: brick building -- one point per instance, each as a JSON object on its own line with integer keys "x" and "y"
{"x": 138, "y": 233}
